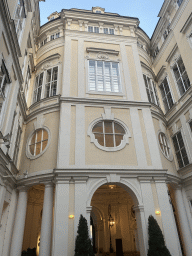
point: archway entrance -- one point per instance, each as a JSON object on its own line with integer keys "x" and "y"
{"x": 114, "y": 227}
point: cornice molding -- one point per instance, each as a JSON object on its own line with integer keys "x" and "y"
{"x": 101, "y": 50}
{"x": 187, "y": 23}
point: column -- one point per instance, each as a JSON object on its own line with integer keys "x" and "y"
{"x": 46, "y": 224}
{"x": 10, "y": 223}
{"x": 80, "y": 201}
{"x": 183, "y": 220}
{"x": 168, "y": 221}
{"x": 126, "y": 72}
{"x": 61, "y": 217}
{"x": 2, "y": 197}
{"x": 18, "y": 231}
{"x": 142, "y": 229}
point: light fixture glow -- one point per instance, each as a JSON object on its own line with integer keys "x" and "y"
{"x": 157, "y": 212}
{"x": 71, "y": 216}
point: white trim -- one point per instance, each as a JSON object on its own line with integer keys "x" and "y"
{"x": 81, "y": 85}
{"x": 109, "y": 149}
{"x": 28, "y": 154}
{"x": 170, "y": 158}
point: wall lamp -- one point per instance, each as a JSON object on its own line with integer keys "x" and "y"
{"x": 157, "y": 212}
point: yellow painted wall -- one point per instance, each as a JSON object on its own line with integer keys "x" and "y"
{"x": 74, "y": 69}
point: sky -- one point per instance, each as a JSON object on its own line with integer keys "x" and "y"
{"x": 146, "y": 10}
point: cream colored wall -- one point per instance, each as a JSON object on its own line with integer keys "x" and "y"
{"x": 133, "y": 74}
{"x": 48, "y": 160}
{"x": 49, "y": 53}
{"x": 95, "y": 156}
{"x": 169, "y": 165}
{"x": 72, "y": 135}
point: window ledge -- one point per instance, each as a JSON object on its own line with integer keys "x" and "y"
{"x": 183, "y": 97}
{"x": 184, "y": 170}
{"x": 106, "y": 93}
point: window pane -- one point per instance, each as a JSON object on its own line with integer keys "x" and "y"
{"x": 108, "y": 127}
{"x": 38, "y": 148}
{"x": 186, "y": 80}
{"x": 44, "y": 144}
{"x": 33, "y": 139}
{"x": 100, "y": 83}
{"x": 180, "y": 86}
{"x": 108, "y": 84}
{"x": 114, "y": 69}
{"x": 45, "y": 135}
{"x": 185, "y": 160}
{"x": 92, "y": 83}
{"x": 53, "y": 88}
{"x": 175, "y": 143}
{"x": 47, "y": 89}
{"x": 100, "y": 68}
{"x": 118, "y": 128}
{"x": 107, "y": 68}
{"x": 176, "y": 72}
{"x": 32, "y": 147}
{"x": 92, "y": 67}
{"x": 98, "y": 127}
{"x": 48, "y": 76}
{"x": 181, "y": 65}
{"x": 55, "y": 71}
{"x": 39, "y": 135}
{"x": 118, "y": 139}
{"x": 170, "y": 100}
{"x": 115, "y": 84}
{"x": 100, "y": 139}
{"x": 96, "y": 29}
{"x": 109, "y": 140}
{"x": 41, "y": 79}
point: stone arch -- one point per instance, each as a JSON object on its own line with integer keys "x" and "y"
{"x": 127, "y": 185}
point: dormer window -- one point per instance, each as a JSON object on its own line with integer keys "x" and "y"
{"x": 98, "y": 11}
{"x": 179, "y": 2}
{"x": 92, "y": 29}
{"x": 52, "y": 18}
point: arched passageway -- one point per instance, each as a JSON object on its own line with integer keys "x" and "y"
{"x": 114, "y": 226}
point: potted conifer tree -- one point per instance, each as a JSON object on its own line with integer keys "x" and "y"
{"x": 83, "y": 246}
{"x": 157, "y": 245}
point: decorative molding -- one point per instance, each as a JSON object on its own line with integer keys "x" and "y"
{"x": 50, "y": 58}
{"x": 108, "y": 115}
{"x": 172, "y": 53}
{"x": 151, "y": 73}
{"x": 186, "y": 25}
{"x": 160, "y": 73}
{"x": 102, "y": 51}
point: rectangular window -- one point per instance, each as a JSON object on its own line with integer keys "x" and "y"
{"x": 38, "y": 87}
{"x": 181, "y": 76}
{"x": 96, "y": 29}
{"x": 104, "y": 76}
{"x": 51, "y": 82}
{"x": 180, "y": 151}
{"x": 166, "y": 94}
{"x": 111, "y": 31}
{"x": 52, "y": 37}
{"x": 151, "y": 90}
{"x": 19, "y": 15}
{"x": 90, "y": 29}
{"x": 57, "y": 35}
{"x": 105, "y": 31}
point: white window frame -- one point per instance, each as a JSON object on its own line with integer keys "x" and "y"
{"x": 151, "y": 90}
{"x": 19, "y": 21}
{"x": 167, "y": 142}
{"x": 166, "y": 110}
{"x": 28, "y": 153}
{"x": 125, "y": 140}
{"x": 180, "y": 77}
{"x": 43, "y": 86}
{"x": 104, "y": 91}
{"x": 95, "y": 29}
{"x": 185, "y": 147}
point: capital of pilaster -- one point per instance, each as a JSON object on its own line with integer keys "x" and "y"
{"x": 160, "y": 179}
{"x": 22, "y": 189}
{"x": 88, "y": 209}
{"x": 145, "y": 179}
{"x": 48, "y": 184}
{"x": 138, "y": 208}
{"x": 80, "y": 179}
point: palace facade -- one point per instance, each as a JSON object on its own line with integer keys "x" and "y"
{"x": 95, "y": 119}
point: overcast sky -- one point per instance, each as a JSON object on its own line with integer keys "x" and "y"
{"x": 145, "y": 10}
